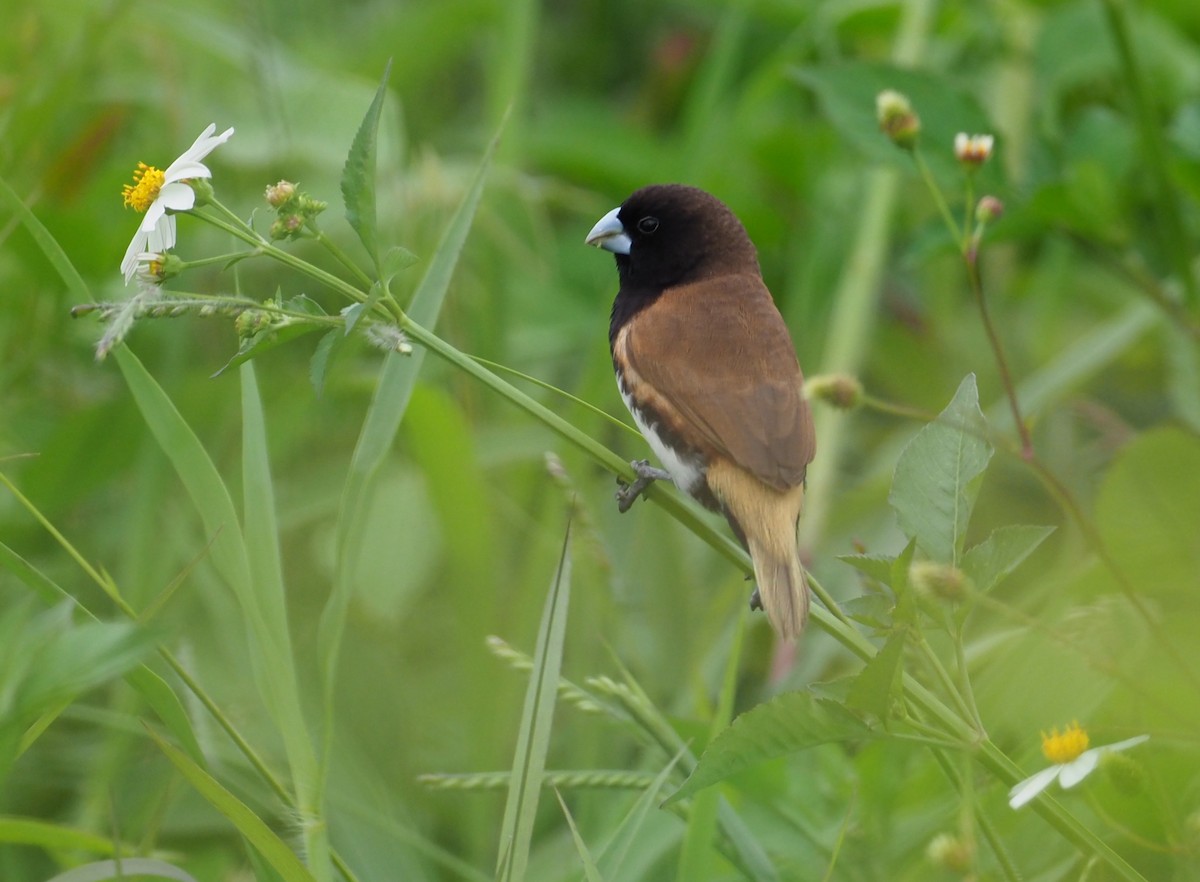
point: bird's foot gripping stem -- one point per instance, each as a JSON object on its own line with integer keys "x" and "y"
{"x": 755, "y": 600}
{"x": 646, "y": 475}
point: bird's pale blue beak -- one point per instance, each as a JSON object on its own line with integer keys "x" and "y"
{"x": 609, "y": 234}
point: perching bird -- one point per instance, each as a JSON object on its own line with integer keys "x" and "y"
{"x": 707, "y": 368}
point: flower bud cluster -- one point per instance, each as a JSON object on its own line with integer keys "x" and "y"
{"x": 295, "y": 210}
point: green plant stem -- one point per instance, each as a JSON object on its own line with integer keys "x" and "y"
{"x": 964, "y": 673}
{"x": 1070, "y": 506}
{"x": 852, "y": 321}
{"x": 1007, "y": 867}
{"x": 972, "y": 261}
{"x": 233, "y": 225}
{"x": 344, "y": 259}
{"x": 958, "y": 234}
{"x": 943, "y": 676}
{"x": 667, "y": 499}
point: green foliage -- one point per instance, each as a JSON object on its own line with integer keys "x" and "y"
{"x": 358, "y": 176}
{"x": 243, "y": 624}
{"x": 787, "y": 723}
{"x": 936, "y": 476}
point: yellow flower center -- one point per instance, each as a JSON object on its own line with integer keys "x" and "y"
{"x": 1062, "y": 747}
{"x": 147, "y": 181}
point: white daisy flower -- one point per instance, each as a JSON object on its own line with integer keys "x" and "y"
{"x": 155, "y": 192}
{"x": 1072, "y": 762}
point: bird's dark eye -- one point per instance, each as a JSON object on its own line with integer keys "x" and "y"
{"x": 647, "y": 225}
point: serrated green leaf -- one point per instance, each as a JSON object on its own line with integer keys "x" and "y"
{"x": 1001, "y": 553}
{"x": 397, "y": 259}
{"x": 876, "y": 566}
{"x": 873, "y": 610}
{"x": 906, "y": 606}
{"x": 935, "y": 485}
{"x": 787, "y": 723}
{"x": 878, "y": 684}
{"x": 358, "y": 174}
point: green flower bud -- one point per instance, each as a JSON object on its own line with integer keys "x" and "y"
{"x": 839, "y": 390}
{"x": 897, "y": 119}
{"x": 939, "y": 580}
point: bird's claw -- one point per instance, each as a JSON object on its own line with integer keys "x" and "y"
{"x": 646, "y": 475}
{"x": 755, "y": 600}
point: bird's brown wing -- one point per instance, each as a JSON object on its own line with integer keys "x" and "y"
{"x": 718, "y": 359}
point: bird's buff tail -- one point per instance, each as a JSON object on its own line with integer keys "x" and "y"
{"x": 783, "y": 589}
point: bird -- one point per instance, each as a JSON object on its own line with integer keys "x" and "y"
{"x": 708, "y": 370}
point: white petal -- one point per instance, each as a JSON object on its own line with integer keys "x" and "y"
{"x": 1080, "y": 767}
{"x": 129, "y": 262}
{"x": 1126, "y": 744}
{"x": 177, "y": 197}
{"x": 182, "y": 170}
{"x": 162, "y": 237}
{"x": 1032, "y": 786}
{"x": 153, "y": 215}
{"x": 200, "y": 148}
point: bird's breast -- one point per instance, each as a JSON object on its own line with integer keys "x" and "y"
{"x": 685, "y": 464}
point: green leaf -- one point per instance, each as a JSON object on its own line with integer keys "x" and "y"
{"x": 319, "y": 363}
{"x": 1001, "y": 553}
{"x": 388, "y": 405}
{"x": 873, "y": 610}
{"x": 49, "y": 245}
{"x": 533, "y": 741}
{"x": 56, "y": 837}
{"x": 787, "y": 723}
{"x": 1148, "y": 512}
{"x": 280, "y": 331}
{"x": 875, "y": 566}
{"x": 878, "y": 684}
{"x": 622, "y": 838}
{"x": 935, "y": 485}
{"x": 194, "y": 467}
{"x": 847, "y": 95}
{"x": 397, "y": 259}
{"x": 590, "y": 872}
{"x": 257, "y": 833}
{"x": 126, "y": 868}
{"x": 153, "y": 688}
{"x": 358, "y": 175}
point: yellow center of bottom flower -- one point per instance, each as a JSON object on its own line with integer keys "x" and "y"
{"x": 147, "y": 181}
{"x": 1063, "y": 747}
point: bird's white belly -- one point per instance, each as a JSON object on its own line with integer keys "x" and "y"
{"x": 684, "y": 471}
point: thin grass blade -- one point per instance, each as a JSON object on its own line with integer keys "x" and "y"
{"x": 273, "y": 849}
{"x": 590, "y": 872}
{"x": 533, "y": 741}
{"x": 392, "y": 394}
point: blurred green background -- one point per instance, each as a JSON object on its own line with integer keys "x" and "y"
{"x": 768, "y": 104}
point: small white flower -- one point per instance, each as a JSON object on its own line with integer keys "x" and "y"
{"x": 973, "y": 149}
{"x": 156, "y": 192}
{"x": 1072, "y": 762}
